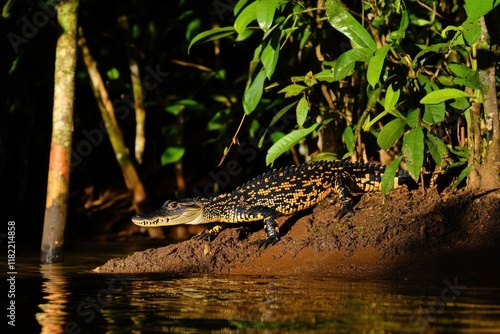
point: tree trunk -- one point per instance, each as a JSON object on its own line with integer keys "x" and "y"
{"x": 486, "y": 172}
{"x": 62, "y": 129}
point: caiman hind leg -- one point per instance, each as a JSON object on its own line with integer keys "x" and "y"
{"x": 341, "y": 188}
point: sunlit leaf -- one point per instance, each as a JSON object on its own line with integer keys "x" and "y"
{"x": 265, "y": 13}
{"x": 442, "y": 95}
{"x": 412, "y": 118}
{"x": 276, "y": 118}
{"x": 463, "y": 174}
{"x": 211, "y": 35}
{"x": 346, "y": 62}
{"x": 437, "y": 148}
{"x": 287, "y": 142}
{"x": 477, "y": 8}
{"x": 340, "y": 18}
{"x": 247, "y": 15}
{"x": 389, "y": 176}
{"x": 292, "y": 90}
{"x": 113, "y": 74}
{"x": 390, "y": 133}
{"x": 413, "y": 150}
{"x": 471, "y": 31}
{"x": 325, "y": 75}
{"x": 434, "y": 113}
{"x": 349, "y": 140}
{"x": 253, "y": 94}
{"x": 391, "y": 98}
{"x": 376, "y": 65}
{"x": 270, "y": 54}
{"x": 434, "y": 48}
{"x": 465, "y": 75}
{"x": 302, "y": 111}
{"x": 172, "y": 154}
{"x": 328, "y": 156}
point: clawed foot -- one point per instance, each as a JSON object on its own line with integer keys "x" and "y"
{"x": 208, "y": 235}
{"x": 263, "y": 244}
{"x": 345, "y": 210}
{"x": 205, "y": 236}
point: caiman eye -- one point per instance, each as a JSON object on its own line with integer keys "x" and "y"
{"x": 173, "y": 205}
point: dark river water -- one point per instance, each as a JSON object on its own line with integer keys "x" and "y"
{"x": 68, "y": 298}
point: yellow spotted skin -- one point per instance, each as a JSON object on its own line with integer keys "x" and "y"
{"x": 280, "y": 192}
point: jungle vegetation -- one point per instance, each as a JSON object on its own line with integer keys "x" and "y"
{"x": 200, "y": 96}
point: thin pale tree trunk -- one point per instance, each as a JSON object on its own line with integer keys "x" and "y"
{"x": 62, "y": 129}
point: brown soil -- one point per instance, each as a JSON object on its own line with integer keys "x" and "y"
{"x": 412, "y": 235}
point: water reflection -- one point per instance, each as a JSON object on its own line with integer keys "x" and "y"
{"x": 72, "y": 300}
{"x": 54, "y": 287}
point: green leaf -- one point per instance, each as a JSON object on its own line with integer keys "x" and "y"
{"x": 280, "y": 113}
{"x": 465, "y": 76}
{"x": 292, "y": 90}
{"x": 349, "y": 140}
{"x": 376, "y": 65}
{"x": 340, "y": 19}
{"x": 397, "y": 36}
{"x": 310, "y": 79}
{"x": 265, "y": 13}
{"x": 276, "y": 118}
{"x": 172, "y": 154}
{"x": 390, "y": 133}
{"x": 444, "y": 94}
{"x": 270, "y": 54}
{"x": 389, "y": 176}
{"x": 276, "y": 135}
{"x": 287, "y": 142}
{"x": 178, "y": 106}
{"x": 347, "y": 60}
{"x": 239, "y": 5}
{"x": 460, "y": 151}
{"x": 471, "y": 31}
{"x": 325, "y": 75}
{"x": 413, "y": 149}
{"x": 211, "y": 35}
{"x": 247, "y": 15}
{"x": 113, "y": 74}
{"x": 477, "y": 8}
{"x": 328, "y": 156}
{"x": 434, "y": 113}
{"x": 391, "y": 98}
{"x": 302, "y": 111}
{"x": 434, "y": 48}
{"x": 463, "y": 174}
{"x": 460, "y": 104}
{"x": 253, "y": 93}
{"x": 412, "y": 117}
{"x": 437, "y": 148}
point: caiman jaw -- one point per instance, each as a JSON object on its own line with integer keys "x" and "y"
{"x": 186, "y": 211}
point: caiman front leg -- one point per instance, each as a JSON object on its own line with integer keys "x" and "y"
{"x": 270, "y": 226}
{"x": 209, "y": 234}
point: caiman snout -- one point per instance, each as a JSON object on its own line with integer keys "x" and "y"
{"x": 187, "y": 211}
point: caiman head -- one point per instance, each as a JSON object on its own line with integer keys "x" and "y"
{"x": 185, "y": 211}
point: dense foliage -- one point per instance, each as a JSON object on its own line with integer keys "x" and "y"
{"x": 414, "y": 65}
{"x": 299, "y": 80}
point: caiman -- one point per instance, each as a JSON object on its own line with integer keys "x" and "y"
{"x": 280, "y": 192}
